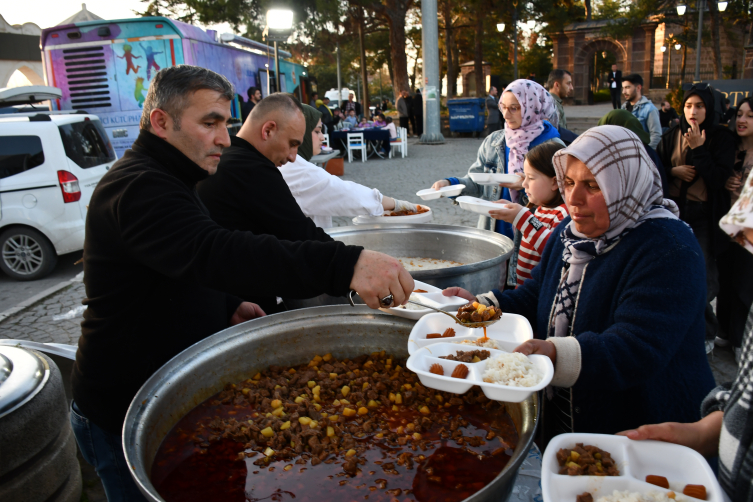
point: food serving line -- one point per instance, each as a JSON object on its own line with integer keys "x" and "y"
{"x": 457, "y": 368}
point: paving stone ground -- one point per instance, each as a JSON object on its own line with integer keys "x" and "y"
{"x": 400, "y": 178}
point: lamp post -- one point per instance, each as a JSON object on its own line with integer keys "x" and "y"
{"x": 701, "y": 6}
{"x": 501, "y": 28}
{"x": 278, "y": 29}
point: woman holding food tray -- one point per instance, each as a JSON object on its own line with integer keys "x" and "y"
{"x": 530, "y": 119}
{"x": 617, "y": 301}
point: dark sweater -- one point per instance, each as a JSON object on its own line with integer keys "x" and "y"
{"x": 713, "y": 162}
{"x": 249, "y": 193}
{"x": 640, "y": 325}
{"x": 155, "y": 266}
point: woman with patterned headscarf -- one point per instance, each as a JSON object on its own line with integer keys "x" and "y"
{"x": 617, "y": 300}
{"x": 530, "y": 119}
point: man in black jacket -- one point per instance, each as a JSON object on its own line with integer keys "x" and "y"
{"x": 615, "y": 87}
{"x": 418, "y": 113}
{"x": 160, "y": 275}
{"x": 252, "y": 161}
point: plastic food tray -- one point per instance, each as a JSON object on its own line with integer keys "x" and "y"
{"x": 449, "y": 191}
{"x": 635, "y": 460}
{"x": 434, "y": 297}
{"x": 421, "y": 360}
{"x": 509, "y": 332}
{"x": 477, "y": 205}
{"x": 494, "y": 178}
{"x": 395, "y": 220}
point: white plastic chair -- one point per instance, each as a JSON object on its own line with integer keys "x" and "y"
{"x": 356, "y": 142}
{"x": 326, "y": 140}
{"x": 400, "y": 142}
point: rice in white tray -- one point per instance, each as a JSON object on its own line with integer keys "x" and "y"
{"x": 515, "y": 370}
{"x": 652, "y": 496}
{"x": 490, "y": 343}
{"x": 411, "y": 306}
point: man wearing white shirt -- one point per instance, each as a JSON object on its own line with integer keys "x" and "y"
{"x": 615, "y": 87}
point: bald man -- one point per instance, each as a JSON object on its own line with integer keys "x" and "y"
{"x": 248, "y": 191}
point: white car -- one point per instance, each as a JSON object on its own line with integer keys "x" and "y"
{"x": 50, "y": 163}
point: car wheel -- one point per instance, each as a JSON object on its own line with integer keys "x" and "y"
{"x": 25, "y": 254}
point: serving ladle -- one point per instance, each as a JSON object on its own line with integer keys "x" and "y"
{"x": 388, "y": 300}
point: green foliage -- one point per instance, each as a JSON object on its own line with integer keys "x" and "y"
{"x": 627, "y": 16}
{"x": 610, "y": 9}
{"x": 674, "y": 97}
{"x": 602, "y": 96}
{"x": 537, "y": 61}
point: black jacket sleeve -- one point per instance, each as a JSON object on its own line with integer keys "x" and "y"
{"x": 163, "y": 227}
{"x": 715, "y": 159}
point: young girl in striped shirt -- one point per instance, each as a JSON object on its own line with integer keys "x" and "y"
{"x": 540, "y": 184}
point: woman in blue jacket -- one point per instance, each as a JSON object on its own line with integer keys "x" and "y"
{"x": 617, "y": 301}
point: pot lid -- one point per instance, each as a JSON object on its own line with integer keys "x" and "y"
{"x": 22, "y": 375}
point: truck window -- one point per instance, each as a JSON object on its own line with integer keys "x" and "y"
{"x": 19, "y": 154}
{"x": 86, "y": 144}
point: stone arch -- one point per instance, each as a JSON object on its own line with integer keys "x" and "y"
{"x": 31, "y": 70}
{"x": 584, "y": 59}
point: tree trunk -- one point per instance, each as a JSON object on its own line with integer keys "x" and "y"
{"x": 717, "y": 59}
{"x": 394, "y": 12}
{"x": 364, "y": 73}
{"x": 684, "y": 60}
{"x": 449, "y": 42}
{"x": 414, "y": 75}
{"x": 478, "y": 56}
{"x": 588, "y": 9}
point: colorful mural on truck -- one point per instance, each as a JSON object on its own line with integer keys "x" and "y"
{"x": 105, "y": 67}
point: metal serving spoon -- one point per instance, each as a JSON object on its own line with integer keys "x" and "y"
{"x": 388, "y": 300}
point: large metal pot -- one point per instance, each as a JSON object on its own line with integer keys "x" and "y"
{"x": 289, "y": 338}
{"x": 481, "y": 251}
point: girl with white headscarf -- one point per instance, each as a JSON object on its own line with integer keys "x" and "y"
{"x": 726, "y": 428}
{"x": 617, "y": 301}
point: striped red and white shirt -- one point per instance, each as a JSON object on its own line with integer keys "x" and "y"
{"x": 536, "y": 228}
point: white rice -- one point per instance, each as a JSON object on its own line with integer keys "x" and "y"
{"x": 490, "y": 343}
{"x": 412, "y": 264}
{"x": 628, "y": 496}
{"x": 515, "y": 370}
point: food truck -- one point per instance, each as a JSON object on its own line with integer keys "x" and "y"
{"x": 105, "y": 67}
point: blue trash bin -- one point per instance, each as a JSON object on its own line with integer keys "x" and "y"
{"x": 467, "y": 114}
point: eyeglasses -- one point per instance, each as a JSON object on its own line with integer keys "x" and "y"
{"x": 513, "y": 109}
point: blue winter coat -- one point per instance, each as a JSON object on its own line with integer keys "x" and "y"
{"x": 640, "y": 324}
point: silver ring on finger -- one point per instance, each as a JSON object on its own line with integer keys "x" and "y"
{"x": 387, "y": 301}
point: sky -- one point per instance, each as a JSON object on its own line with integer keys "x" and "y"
{"x": 46, "y": 13}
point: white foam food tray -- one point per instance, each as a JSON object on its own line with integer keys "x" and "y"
{"x": 635, "y": 460}
{"x": 433, "y": 297}
{"x": 509, "y": 332}
{"x": 449, "y": 191}
{"x": 394, "y": 220}
{"x": 421, "y": 360}
{"x": 494, "y": 178}
{"x": 477, "y": 205}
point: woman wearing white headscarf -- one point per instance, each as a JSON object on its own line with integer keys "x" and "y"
{"x": 726, "y": 428}
{"x": 617, "y": 301}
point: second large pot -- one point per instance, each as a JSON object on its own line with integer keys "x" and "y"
{"x": 481, "y": 252}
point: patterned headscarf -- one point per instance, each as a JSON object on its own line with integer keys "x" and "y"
{"x": 536, "y": 105}
{"x": 633, "y": 194}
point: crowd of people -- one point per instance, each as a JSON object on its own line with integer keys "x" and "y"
{"x": 620, "y": 243}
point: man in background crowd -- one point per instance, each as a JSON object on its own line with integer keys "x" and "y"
{"x": 729, "y": 113}
{"x": 403, "y": 109}
{"x": 560, "y": 86}
{"x": 352, "y": 104}
{"x": 417, "y": 107}
{"x": 641, "y": 107}
{"x": 667, "y": 116}
{"x": 254, "y": 96}
{"x": 615, "y": 87}
{"x": 314, "y": 97}
{"x": 493, "y": 117}
{"x": 328, "y": 118}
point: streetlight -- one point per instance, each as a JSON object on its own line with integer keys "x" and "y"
{"x": 500, "y": 27}
{"x": 701, "y": 5}
{"x": 278, "y": 29}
